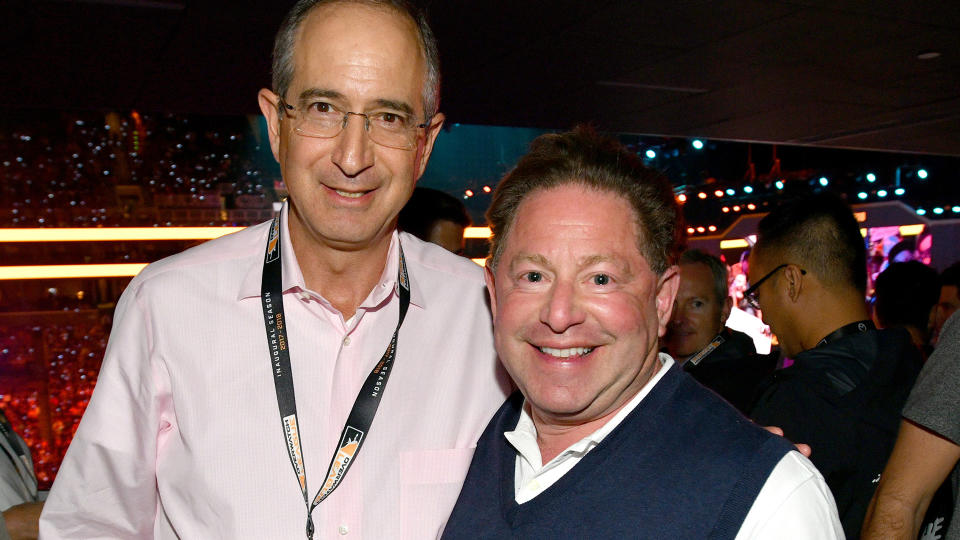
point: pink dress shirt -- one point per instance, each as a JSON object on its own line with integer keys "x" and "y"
{"x": 183, "y": 438}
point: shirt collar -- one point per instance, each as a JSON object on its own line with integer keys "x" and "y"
{"x": 292, "y": 277}
{"x": 388, "y": 285}
{"x": 524, "y": 437}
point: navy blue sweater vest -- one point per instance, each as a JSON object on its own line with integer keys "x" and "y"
{"x": 683, "y": 464}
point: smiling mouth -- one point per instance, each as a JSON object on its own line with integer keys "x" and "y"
{"x": 351, "y": 194}
{"x": 566, "y": 353}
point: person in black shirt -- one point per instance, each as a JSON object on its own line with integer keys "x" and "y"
{"x": 848, "y": 381}
{"x": 720, "y": 358}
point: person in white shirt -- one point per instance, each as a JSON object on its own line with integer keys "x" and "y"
{"x": 606, "y": 438}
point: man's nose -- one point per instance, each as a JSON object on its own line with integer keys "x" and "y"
{"x": 679, "y": 315}
{"x": 563, "y": 308}
{"x": 354, "y": 152}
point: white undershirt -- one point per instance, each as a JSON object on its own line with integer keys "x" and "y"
{"x": 794, "y": 502}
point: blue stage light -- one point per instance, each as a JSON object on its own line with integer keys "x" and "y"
{"x": 747, "y": 189}
{"x": 651, "y": 153}
{"x": 921, "y": 212}
{"x": 779, "y": 184}
{"x": 899, "y": 191}
{"x": 697, "y": 143}
{"x": 823, "y": 181}
{"x": 862, "y": 195}
{"x": 871, "y": 177}
{"x": 922, "y": 174}
{"x": 881, "y": 193}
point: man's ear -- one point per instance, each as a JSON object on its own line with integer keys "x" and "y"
{"x": 725, "y": 311}
{"x": 793, "y": 278}
{"x": 423, "y": 151}
{"x": 268, "y": 106}
{"x": 667, "y": 287}
{"x": 491, "y": 287}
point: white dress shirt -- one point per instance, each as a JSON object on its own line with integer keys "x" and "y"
{"x": 794, "y": 502}
{"x": 182, "y": 437}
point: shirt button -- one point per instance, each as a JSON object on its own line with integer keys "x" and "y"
{"x": 346, "y": 343}
{"x": 343, "y": 530}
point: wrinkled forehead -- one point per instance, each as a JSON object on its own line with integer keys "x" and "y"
{"x": 578, "y": 221}
{"x": 696, "y": 278}
{"x": 358, "y": 44}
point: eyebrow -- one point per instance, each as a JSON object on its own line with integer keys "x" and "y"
{"x": 597, "y": 259}
{"x": 584, "y": 262}
{"x": 313, "y": 93}
{"x": 401, "y": 106}
{"x": 537, "y": 259}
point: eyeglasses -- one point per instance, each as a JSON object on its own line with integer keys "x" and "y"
{"x": 323, "y": 120}
{"x": 752, "y": 294}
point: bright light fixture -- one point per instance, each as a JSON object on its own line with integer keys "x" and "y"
{"x": 65, "y": 271}
{"x": 113, "y": 234}
{"x": 476, "y": 232}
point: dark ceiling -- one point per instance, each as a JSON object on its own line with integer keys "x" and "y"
{"x": 838, "y": 73}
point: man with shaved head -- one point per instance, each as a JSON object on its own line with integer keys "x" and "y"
{"x": 318, "y": 376}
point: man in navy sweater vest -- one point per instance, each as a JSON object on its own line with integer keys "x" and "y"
{"x": 607, "y": 438}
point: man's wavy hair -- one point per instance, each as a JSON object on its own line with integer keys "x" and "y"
{"x": 582, "y": 157}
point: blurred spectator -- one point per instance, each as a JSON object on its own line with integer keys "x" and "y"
{"x": 90, "y": 170}
{"x": 848, "y": 381}
{"x": 54, "y": 368}
{"x": 19, "y": 499}
{"x": 949, "y": 299}
{"x": 906, "y": 292}
{"x": 435, "y": 216}
{"x": 720, "y": 358}
{"x": 927, "y": 450}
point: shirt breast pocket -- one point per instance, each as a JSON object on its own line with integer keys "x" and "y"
{"x": 430, "y": 484}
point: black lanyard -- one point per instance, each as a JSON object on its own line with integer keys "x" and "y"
{"x": 364, "y": 408}
{"x": 857, "y": 327}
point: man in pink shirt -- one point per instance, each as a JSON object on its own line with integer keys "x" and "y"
{"x": 314, "y": 314}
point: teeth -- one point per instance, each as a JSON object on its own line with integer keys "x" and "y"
{"x": 350, "y": 194}
{"x": 566, "y": 353}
